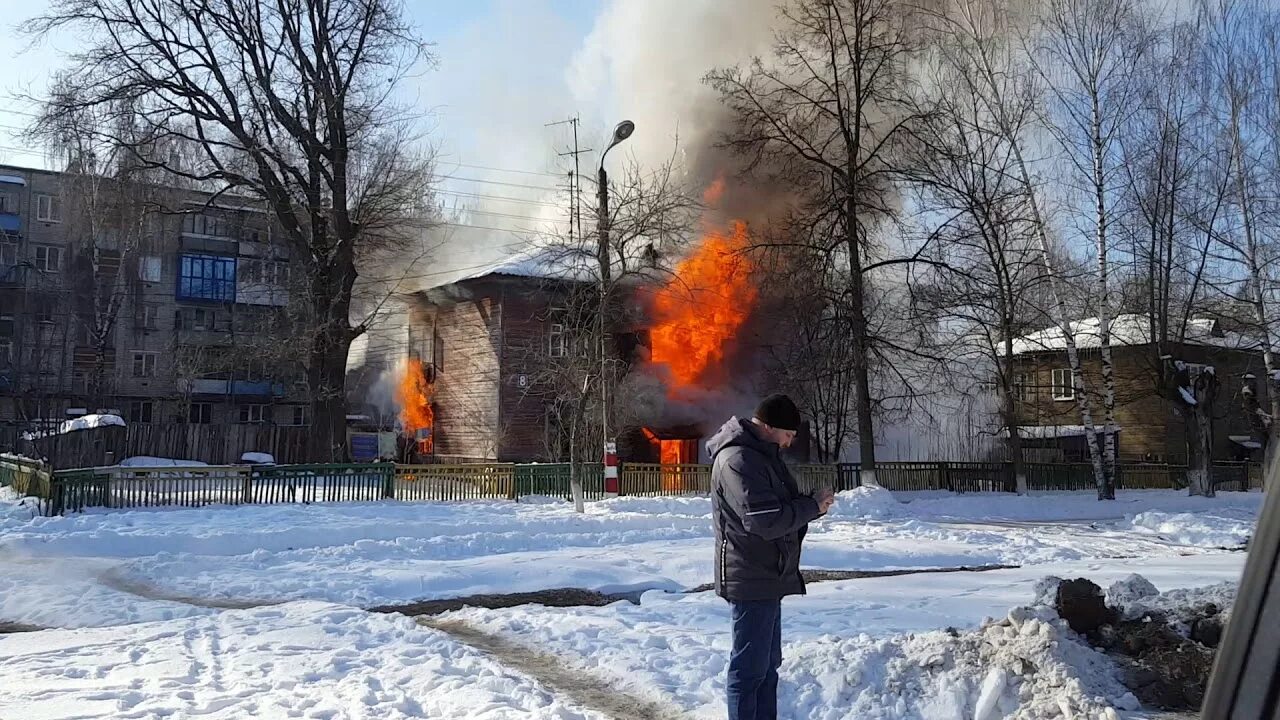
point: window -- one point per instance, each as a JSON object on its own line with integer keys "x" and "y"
{"x": 48, "y": 258}
{"x": 264, "y": 272}
{"x": 556, "y": 345}
{"x": 8, "y": 202}
{"x": 6, "y": 353}
{"x": 44, "y": 315}
{"x": 205, "y": 225}
{"x": 197, "y": 319}
{"x": 80, "y": 382}
{"x": 1021, "y": 387}
{"x": 437, "y": 351}
{"x": 141, "y": 411}
{"x": 149, "y": 268}
{"x": 253, "y": 414}
{"x": 254, "y": 234}
{"x": 207, "y": 277}
{"x": 48, "y": 208}
{"x": 1063, "y": 389}
{"x": 144, "y": 364}
{"x": 8, "y": 254}
{"x": 200, "y": 413}
{"x": 6, "y": 326}
{"x": 299, "y": 415}
{"x": 250, "y": 271}
{"x": 147, "y": 317}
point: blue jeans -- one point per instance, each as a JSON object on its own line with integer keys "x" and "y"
{"x": 757, "y": 654}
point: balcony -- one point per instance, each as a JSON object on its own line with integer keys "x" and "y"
{"x": 238, "y": 388}
{"x": 10, "y": 223}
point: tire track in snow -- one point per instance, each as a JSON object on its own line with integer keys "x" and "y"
{"x": 556, "y": 674}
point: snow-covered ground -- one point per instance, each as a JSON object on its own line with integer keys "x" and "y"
{"x": 848, "y": 643}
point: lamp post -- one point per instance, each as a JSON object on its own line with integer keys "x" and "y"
{"x": 621, "y": 132}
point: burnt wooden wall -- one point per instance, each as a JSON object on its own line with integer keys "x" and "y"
{"x": 469, "y": 332}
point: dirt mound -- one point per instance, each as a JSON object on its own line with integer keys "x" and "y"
{"x": 1165, "y": 657}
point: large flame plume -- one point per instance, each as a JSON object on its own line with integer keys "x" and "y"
{"x": 413, "y": 394}
{"x": 705, "y": 304}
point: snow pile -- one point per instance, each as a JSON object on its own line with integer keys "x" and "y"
{"x": 1136, "y": 596}
{"x": 14, "y": 508}
{"x": 1029, "y": 665}
{"x": 1222, "y": 529}
{"x": 867, "y": 502}
{"x": 1130, "y": 592}
{"x": 1072, "y": 506}
{"x": 146, "y": 461}
{"x": 85, "y": 422}
{"x": 258, "y": 458}
{"x": 684, "y": 507}
{"x": 304, "y": 658}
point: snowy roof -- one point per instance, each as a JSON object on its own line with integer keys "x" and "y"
{"x": 1041, "y": 432}
{"x": 1126, "y": 329}
{"x": 13, "y": 180}
{"x": 546, "y": 263}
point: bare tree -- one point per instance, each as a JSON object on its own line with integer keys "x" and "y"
{"x": 984, "y": 283}
{"x": 289, "y": 101}
{"x": 1093, "y": 50}
{"x": 826, "y": 114}
{"x": 984, "y": 32}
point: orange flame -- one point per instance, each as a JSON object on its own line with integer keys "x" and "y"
{"x": 413, "y": 393}
{"x": 704, "y": 305}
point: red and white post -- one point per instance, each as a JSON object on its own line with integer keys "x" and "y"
{"x": 611, "y": 469}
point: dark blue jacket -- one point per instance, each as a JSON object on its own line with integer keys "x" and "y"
{"x": 760, "y": 516}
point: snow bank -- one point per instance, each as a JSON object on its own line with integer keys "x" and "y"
{"x": 685, "y": 507}
{"x": 258, "y": 458}
{"x": 85, "y": 422}
{"x": 1029, "y": 665}
{"x": 1136, "y": 596}
{"x": 305, "y": 658}
{"x": 146, "y": 461}
{"x": 867, "y": 502}
{"x": 1070, "y": 506}
{"x": 1224, "y": 528}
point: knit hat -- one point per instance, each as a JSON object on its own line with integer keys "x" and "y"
{"x": 780, "y": 412}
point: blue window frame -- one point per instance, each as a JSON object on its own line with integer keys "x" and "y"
{"x": 207, "y": 277}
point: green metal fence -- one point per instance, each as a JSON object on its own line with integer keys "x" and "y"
{"x": 117, "y": 487}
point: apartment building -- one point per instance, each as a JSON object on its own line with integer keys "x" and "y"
{"x": 158, "y": 304}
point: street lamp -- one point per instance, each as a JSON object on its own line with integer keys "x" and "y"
{"x": 621, "y": 132}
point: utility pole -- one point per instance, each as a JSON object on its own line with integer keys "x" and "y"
{"x": 621, "y": 132}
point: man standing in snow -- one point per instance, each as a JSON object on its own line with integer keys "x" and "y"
{"x": 760, "y": 520}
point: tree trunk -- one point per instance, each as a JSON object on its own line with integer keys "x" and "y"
{"x": 858, "y": 328}
{"x": 1009, "y": 416}
{"x": 327, "y": 366}
{"x": 1106, "y": 489}
{"x": 1202, "y": 385}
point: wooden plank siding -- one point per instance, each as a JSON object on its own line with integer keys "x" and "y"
{"x": 1151, "y": 426}
{"x": 465, "y": 401}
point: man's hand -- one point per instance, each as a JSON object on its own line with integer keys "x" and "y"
{"x": 826, "y": 497}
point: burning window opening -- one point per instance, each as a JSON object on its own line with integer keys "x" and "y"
{"x": 702, "y": 308}
{"x": 413, "y": 393}
{"x": 674, "y": 453}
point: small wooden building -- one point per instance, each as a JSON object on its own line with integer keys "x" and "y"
{"x": 1151, "y": 428}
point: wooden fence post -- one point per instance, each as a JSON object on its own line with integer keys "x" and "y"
{"x": 944, "y": 477}
{"x": 388, "y": 481}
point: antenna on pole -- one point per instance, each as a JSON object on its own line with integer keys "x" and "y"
{"x": 575, "y": 179}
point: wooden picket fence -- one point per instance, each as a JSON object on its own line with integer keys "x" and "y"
{"x": 193, "y": 486}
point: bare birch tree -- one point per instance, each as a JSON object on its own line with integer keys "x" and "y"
{"x": 984, "y": 33}
{"x": 1092, "y": 53}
